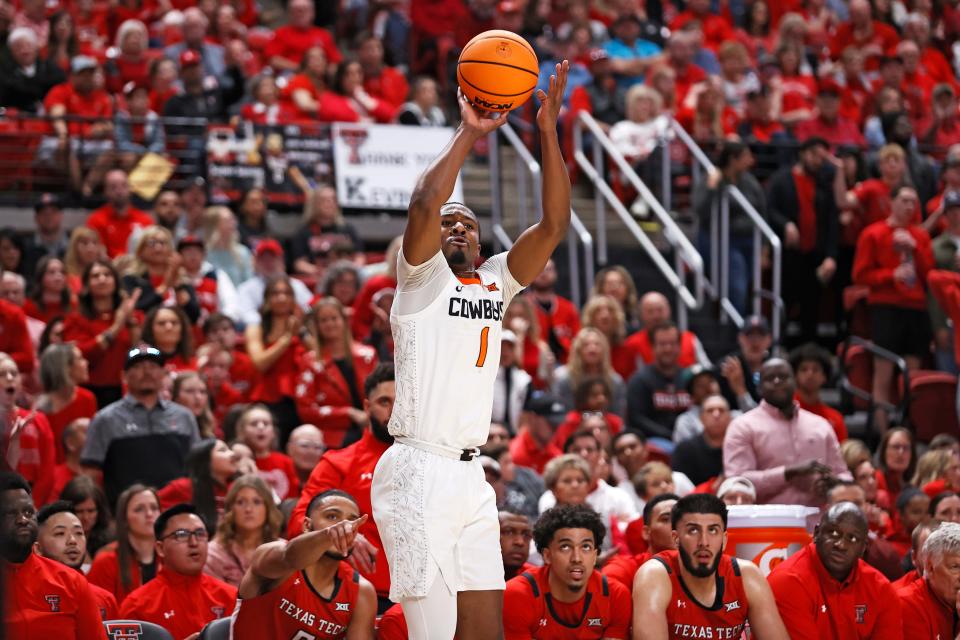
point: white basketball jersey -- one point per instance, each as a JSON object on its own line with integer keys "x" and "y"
{"x": 446, "y": 336}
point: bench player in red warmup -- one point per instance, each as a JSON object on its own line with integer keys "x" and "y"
{"x": 435, "y": 512}
{"x": 303, "y": 589}
{"x": 567, "y": 598}
{"x": 697, "y": 591}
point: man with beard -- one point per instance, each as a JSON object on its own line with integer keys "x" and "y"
{"x": 42, "y": 598}
{"x": 567, "y": 597}
{"x": 698, "y": 591}
{"x": 437, "y": 514}
{"x": 181, "y": 598}
{"x": 827, "y": 591}
{"x": 61, "y": 538}
{"x": 295, "y": 589}
{"x": 351, "y": 470}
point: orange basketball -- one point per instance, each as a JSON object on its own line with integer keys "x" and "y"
{"x": 497, "y": 70}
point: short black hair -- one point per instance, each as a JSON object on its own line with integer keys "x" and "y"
{"x": 666, "y": 325}
{"x": 11, "y": 480}
{"x": 811, "y": 352}
{"x": 176, "y": 510}
{"x": 699, "y": 503}
{"x": 581, "y": 433}
{"x": 937, "y": 499}
{"x": 496, "y": 451}
{"x": 654, "y": 501}
{"x": 628, "y": 432}
{"x": 49, "y": 510}
{"x": 382, "y": 373}
{"x": 583, "y": 389}
{"x": 567, "y": 516}
{"x": 317, "y": 499}
{"x": 730, "y": 150}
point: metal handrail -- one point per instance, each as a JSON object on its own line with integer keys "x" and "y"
{"x": 898, "y": 411}
{"x": 527, "y": 167}
{"x": 719, "y": 251}
{"x": 688, "y": 260}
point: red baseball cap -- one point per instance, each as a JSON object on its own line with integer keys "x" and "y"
{"x": 189, "y": 57}
{"x": 268, "y": 245}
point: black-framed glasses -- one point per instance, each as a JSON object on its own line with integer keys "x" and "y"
{"x": 183, "y": 535}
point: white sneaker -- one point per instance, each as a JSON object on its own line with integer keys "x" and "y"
{"x": 640, "y": 209}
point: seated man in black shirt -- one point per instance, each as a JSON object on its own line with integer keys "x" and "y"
{"x": 701, "y": 456}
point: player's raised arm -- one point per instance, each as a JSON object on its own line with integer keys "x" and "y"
{"x": 421, "y": 238}
{"x": 535, "y": 245}
{"x": 651, "y": 597}
{"x": 764, "y": 618}
{"x": 276, "y": 560}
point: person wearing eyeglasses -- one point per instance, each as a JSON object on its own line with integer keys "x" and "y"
{"x": 142, "y": 437}
{"x": 305, "y": 447}
{"x": 181, "y": 599}
{"x": 827, "y": 591}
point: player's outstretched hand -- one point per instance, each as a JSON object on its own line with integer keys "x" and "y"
{"x": 476, "y": 121}
{"x": 340, "y": 536}
{"x": 552, "y": 100}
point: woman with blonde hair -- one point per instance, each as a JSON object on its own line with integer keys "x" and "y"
{"x": 190, "y": 390}
{"x": 332, "y": 374}
{"x": 615, "y": 281}
{"x": 854, "y": 452}
{"x": 83, "y": 248}
{"x": 937, "y": 471}
{"x": 590, "y": 357}
{"x": 532, "y": 351}
{"x": 250, "y": 519}
{"x": 605, "y": 314}
{"x": 155, "y": 270}
{"x": 224, "y": 249}
{"x": 638, "y": 135}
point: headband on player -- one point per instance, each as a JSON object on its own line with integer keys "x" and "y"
{"x": 449, "y": 208}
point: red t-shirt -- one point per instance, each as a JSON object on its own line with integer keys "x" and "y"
{"x": 945, "y": 287}
{"x": 393, "y": 626}
{"x": 106, "y": 365}
{"x": 31, "y": 432}
{"x": 839, "y": 132}
{"x": 49, "y": 312}
{"x": 390, "y": 86}
{"x": 531, "y": 612}
{"x": 639, "y": 344}
{"x": 95, "y": 105}
{"x": 295, "y": 609}
{"x": 243, "y": 373}
{"x": 831, "y": 415}
{"x": 277, "y": 470}
{"x": 15, "y": 338}
{"x": 181, "y": 604}
{"x": 362, "y": 318}
{"x": 115, "y": 230}
{"x": 62, "y": 474}
{"x": 527, "y": 453}
{"x": 563, "y": 322}
{"x": 881, "y": 34}
{"x": 291, "y": 43}
{"x": 622, "y": 568}
{"x": 572, "y": 422}
{"x": 623, "y": 359}
{"x": 875, "y": 261}
{"x": 716, "y": 30}
{"x": 726, "y": 616}
{"x": 46, "y": 599}
{"x": 815, "y": 606}
{"x": 181, "y": 490}
{"x": 83, "y": 405}
{"x": 280, "y": 380}
{"x": 924, "y": 614}
{"x": 105, "y": 573}
{"x": 349, "y": 469}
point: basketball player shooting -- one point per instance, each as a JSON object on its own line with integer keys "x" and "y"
{"x": 433, "y": 507}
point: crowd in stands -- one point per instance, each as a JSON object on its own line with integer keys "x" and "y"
{"x": 180, "y": 384}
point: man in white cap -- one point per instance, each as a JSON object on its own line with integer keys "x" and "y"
{"x": 737, "y": 490}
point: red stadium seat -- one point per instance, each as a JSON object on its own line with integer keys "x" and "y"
{"x": 933, "y": 404}
{"x": 855, "y": 304}
{"x": 857, "y": 369}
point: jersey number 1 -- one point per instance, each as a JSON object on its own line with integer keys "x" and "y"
{"x": 484, "y": 336}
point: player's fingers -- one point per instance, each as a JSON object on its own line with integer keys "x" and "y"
{"x": 541, "y": 95}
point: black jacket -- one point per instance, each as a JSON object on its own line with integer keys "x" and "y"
{"x": 782, "y": 207}
{"x": 19, "y": 91}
